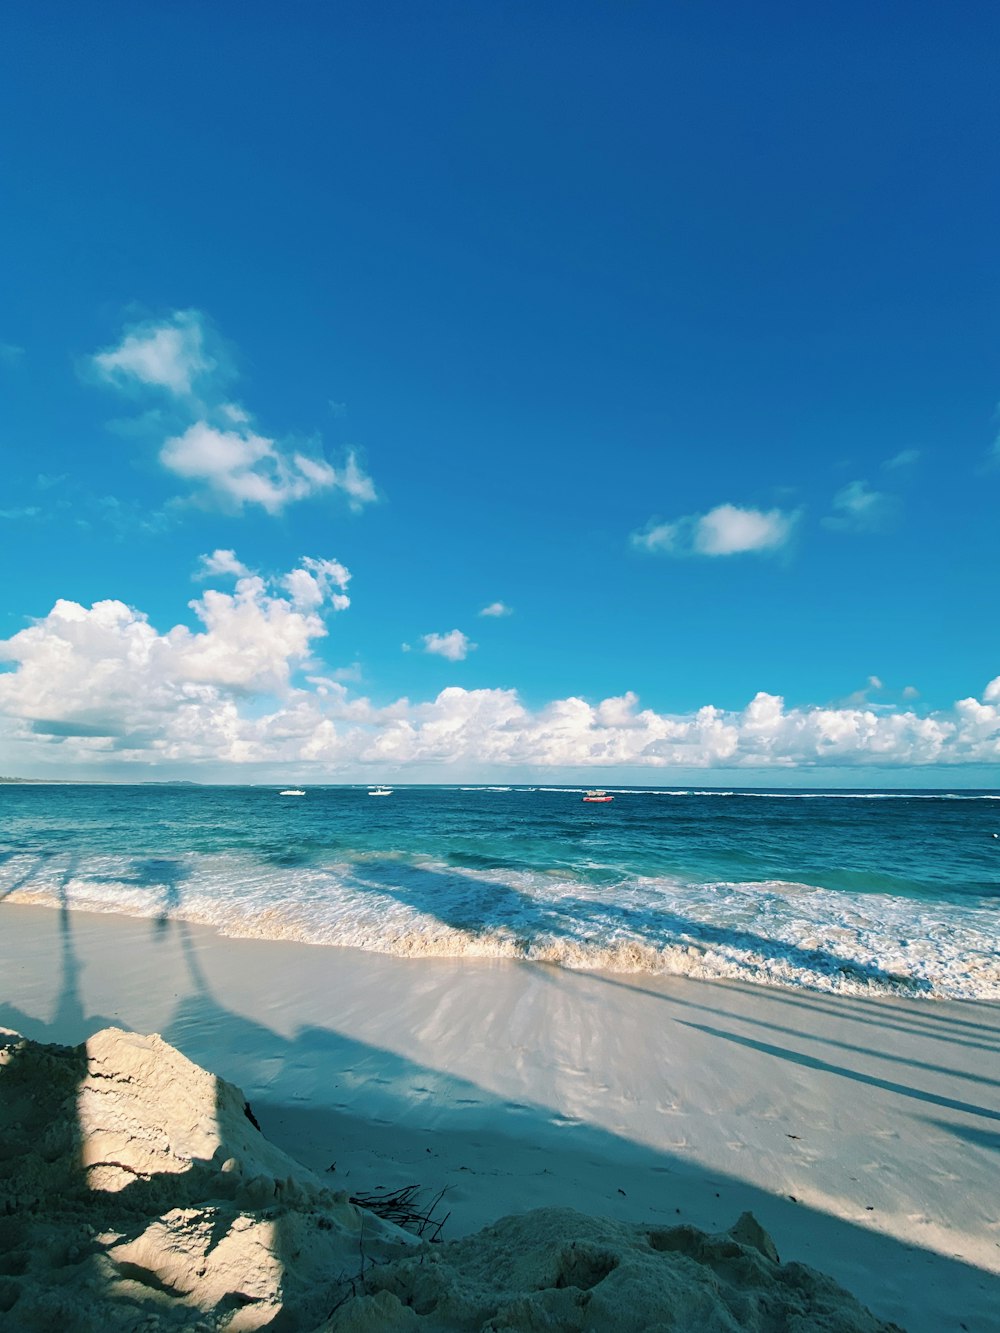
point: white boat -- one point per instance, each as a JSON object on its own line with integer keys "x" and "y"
{"x": 596, "y": 795}
{"x": 380, "y": 791}
{"x": 292, "y": 791}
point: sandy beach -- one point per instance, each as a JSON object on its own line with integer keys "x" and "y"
{"x": 861, "y": 1133}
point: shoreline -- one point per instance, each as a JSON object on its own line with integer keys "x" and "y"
{"x": 518, "y": 1085}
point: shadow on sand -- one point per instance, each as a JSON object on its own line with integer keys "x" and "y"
{"x": 239, "y": 1048}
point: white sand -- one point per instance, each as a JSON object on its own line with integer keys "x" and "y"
{"x": 135, "y": 1193}
{"x": 651, "y": 1101}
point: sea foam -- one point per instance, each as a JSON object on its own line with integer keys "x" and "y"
{"x": 767, "y": 932}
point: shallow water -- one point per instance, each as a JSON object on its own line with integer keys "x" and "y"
{"x": 856, "y": 892}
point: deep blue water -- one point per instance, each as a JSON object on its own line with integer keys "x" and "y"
{"x": 863, "y": 891}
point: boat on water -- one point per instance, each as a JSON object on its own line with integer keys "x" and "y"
{"x": 379, "y": 791}
{"x": 597, "y": 796}
{"x": 292, "y": 791}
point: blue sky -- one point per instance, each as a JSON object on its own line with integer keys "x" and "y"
{"x": 670, "y": 329}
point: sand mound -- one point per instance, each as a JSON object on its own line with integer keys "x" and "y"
{"x": 556, "y": 1269}
{"x": 136, "y": 1193}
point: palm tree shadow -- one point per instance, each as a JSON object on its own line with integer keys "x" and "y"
{"x": 982, "y": 1138}
{"x": 827, "y": 1067}
{"x": 55, "y": 1102}
{"x": 163, "y": 875}
{"x": 41, "y": 860}
{"x": 204, "y": 1027}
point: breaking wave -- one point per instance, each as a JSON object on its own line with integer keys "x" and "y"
{"x": 771, "y": 932}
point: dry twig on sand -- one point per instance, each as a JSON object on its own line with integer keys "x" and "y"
{"x": 403, "y": 1206}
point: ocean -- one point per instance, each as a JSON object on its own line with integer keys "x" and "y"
{"x": 856, "y": 892}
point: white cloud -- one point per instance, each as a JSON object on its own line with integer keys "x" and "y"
{"x": 857, "y": 508}
{"x": 496, "y": 609}
{"x": 491, "y": 727}
{"x": 312, "y": 584}
{"x": 725, "y": 530}
{"x": 239, "y": 467}
{"x": 105, "y": 679}
{"x": 860, "y": 699}
{"x": 101, "y": 681}
{"x": 356, "y": 484}
{"x": 337, "y": 677}
{"x": 220, "y": 562}
{"x": 454, "y": 645}
{"x": 658, "y": 537}
{"x": 170, "y": 355}
{"x": 905, "y": 458}
{"x": 316, "y": 471}
{"x": 211, "y": 440}
{"x": 728, "y": 530}
{"x": 225, "y": 460}
{"x": 911, "y": 692}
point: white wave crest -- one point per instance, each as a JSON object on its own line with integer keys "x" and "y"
{"x": 766, "y": 932}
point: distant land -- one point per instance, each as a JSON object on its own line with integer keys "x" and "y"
{"x": 100, "y": 782}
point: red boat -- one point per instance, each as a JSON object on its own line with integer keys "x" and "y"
{"x": 600, "y": 796}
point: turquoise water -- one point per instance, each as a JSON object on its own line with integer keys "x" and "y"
{"x": 839, "y": 891}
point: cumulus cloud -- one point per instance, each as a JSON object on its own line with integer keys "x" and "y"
{"x": 104, "y": 674}
{"x": 245, "y": 685}
{"x": 496, "y": 609}
{"x": 102, "y": 681}
{"x": 857, "y": 508}
{"x": 725, "y": 530}
{"x": 728, "y": 530}
{"x": 313, "y": 583}
{"x": 211, "y": 441}
{"x": 454, "y": 645}
{"x": 169, "y": 355}
{"x": 488, "y": 728}
{"x": 220, "y": 562}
